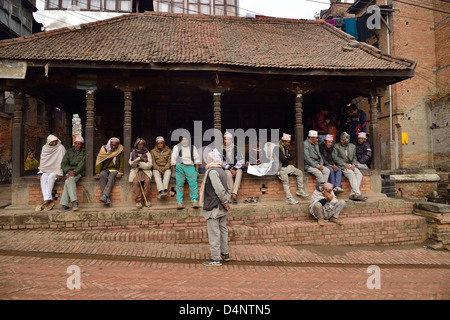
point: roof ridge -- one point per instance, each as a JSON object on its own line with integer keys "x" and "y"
{"x": 53, "y": 32}
{"x": 367, "y": 47}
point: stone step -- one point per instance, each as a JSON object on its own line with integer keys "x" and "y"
{"x": 169, "y": 217}
{"x": 385, "y": 230}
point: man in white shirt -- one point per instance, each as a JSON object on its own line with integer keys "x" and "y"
{"x": 184, "y": 162}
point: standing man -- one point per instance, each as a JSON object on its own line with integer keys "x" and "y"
{"x": 324, "y": 204}
{"x": 214, "y": 197}
{"x": 313, "y": 158}
{"x": 73, "y": 166}
{"x": 356, "y": 122}
{"x": 363, "y": 152}
{"x": 161, "y": 155}
{"x": 109, "y": 167}
{"x": 232, "y": 164}
{"x": 344, "y": 155}
{"x": 185, "y": 161}
{"x": 320, "y": 123}
{"x": 287, "y": 169}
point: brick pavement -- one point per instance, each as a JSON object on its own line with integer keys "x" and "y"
{"x": 33, "y": 265}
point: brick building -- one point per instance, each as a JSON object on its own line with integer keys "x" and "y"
{"x": 416, "y": 108}
{"x": 227, "y": 72}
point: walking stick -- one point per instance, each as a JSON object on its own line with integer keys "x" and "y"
{"x": 142, "y": 189}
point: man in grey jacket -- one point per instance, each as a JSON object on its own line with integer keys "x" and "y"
{"x": 344, "y": 155}
{"x": 214, "y": 197}
{"x": 313, "y": 159}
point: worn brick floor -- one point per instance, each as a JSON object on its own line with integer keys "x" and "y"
{"x": 33, "y": 265}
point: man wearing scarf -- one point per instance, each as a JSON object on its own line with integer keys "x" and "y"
{"x": 232, "y": 164}
{"x": 109, "y": 167}
{"x": 161, "y": 166}
{"x": 287, "y": 169}
{"x": 50, "y": 167}
{"x": 140, "y": 173}
{"x": 214, "y": 197}
{"x": 31, "y": 164}
{"x": 73, "y": 165}
{"x": 344, "y": 155}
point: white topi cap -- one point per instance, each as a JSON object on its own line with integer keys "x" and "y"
{"x": 313, "y": 133}
{"x": 362, "y": 135}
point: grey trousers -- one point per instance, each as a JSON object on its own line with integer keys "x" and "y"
{"x": 321, "y": 175}
{"x": 70, "y": 190}
{"x": 321, "y": 213}
{"x": 285, "y": 172}
{"x": 355, "y": 179}
{"x": 218, "y": 236}
{"x": 107, "y": 179}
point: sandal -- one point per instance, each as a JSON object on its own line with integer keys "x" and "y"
{"x": 248, "y": 200}
{"x": 49, "y": 206}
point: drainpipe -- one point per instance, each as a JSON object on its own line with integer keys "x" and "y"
{"x": 390, "y": 87}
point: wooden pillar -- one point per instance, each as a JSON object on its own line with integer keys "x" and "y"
{"x": 18, "y": 137}
{"x": 299, "y": 132}
{"x": 89, "y": 132}
{"x": 218, "y": 111}
{"x": 374, "y": 131}
{"x": 68, "y": 140}
{"x": 127, "y": 131}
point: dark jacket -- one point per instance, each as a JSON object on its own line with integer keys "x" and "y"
{"x": 364, "y": 153}
{"x": 327, "y": 154}
{"x": 75, "y": 161}
{"x": 283, "y": 155}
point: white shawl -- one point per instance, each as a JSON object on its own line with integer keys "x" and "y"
{"x": 52, "y": 156}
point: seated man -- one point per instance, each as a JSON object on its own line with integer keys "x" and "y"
{"x": 140, "y": 173}
{"x": 363, "y": 152}
{"x": 52, "y": 155}
{"x": 232, "y": 164}
{"x": 344, "y": 155}
{"x": 326, "y": 150}
{"x": 73, "y": 166}
{"x": 161, "y": 155}
{"x": 109, "y": 167}
{"x": 287, "y": 169}
{"x": 313, "y": 158}
{"x": 31, "y": 164}
{"x": 185, "y": 161}
{"x": 324, "y": 204}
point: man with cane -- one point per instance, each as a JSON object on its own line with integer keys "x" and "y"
{"x": 140, "y": 173}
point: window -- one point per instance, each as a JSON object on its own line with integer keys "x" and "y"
{"x": 110, "y": 5}
{"x": 95, "y": 5}
{"x": 125, "y": 5}
{"x": 53, "y": 4}
{"x": 16, "y": 8}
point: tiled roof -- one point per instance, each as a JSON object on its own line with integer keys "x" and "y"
{"x": 199, "y": 39}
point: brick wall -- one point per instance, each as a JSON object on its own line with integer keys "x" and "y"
{"x": 5, "y": 137}
{"x": 250, "y": 187}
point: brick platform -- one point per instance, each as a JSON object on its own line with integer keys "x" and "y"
{"x": 88, "y": 191}
{"x": 380, "y": 221}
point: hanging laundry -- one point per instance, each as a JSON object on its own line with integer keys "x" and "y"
{"x": 339, "y": 23}
{"x": 331, "y": 21}
{"x": 350, "y": 27}
{"x": 364, "y": 32}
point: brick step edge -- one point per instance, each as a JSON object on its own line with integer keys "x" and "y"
{"x": 118, "y": 218}
{"x": 388, "y": 230}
